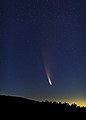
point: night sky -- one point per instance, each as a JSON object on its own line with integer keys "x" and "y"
{"x": 41, "y": 39}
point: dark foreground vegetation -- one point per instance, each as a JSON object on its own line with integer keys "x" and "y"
{"x": 33, "y": 109}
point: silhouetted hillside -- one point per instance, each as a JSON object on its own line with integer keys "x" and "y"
{"x": 30, "y": 108}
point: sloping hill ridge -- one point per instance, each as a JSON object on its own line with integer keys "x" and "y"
{"x": 23, "y": 106}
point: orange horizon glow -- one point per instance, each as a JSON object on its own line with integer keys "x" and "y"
{"x": 81, "y": 103}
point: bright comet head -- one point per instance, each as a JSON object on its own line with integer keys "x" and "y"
{"x": 49, "y": 80}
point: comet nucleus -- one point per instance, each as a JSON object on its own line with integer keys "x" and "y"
{"x": 49, "y": 80}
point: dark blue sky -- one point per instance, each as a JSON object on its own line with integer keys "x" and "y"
{"x": 39, "y": 36}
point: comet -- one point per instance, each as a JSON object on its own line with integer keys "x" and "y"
{"x": 49, "y": 80}
{"x": 47, "y": 62}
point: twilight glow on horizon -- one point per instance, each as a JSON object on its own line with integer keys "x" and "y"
{"x": 43, "y": 49}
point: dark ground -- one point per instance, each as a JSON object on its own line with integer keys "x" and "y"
{"x": 21, "y": 107}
